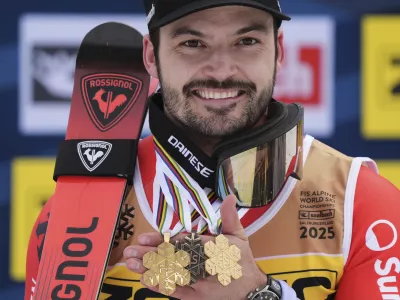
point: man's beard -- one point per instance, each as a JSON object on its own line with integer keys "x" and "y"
{"x": 219, "y": 123}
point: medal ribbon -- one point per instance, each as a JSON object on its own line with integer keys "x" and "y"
{"x": 190, "y": 191}
{"x": 162, "y": 212}
{"x": 176, "y": 192}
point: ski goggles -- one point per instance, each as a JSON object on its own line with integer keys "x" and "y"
{"x": 256, "y": 164}
{"x": 253, "y": 165}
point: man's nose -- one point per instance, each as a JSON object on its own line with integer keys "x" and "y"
{"x": 220, "y": 65}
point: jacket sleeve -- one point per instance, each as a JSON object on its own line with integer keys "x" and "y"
{"x": 373, "y": 264}
{"x": 35, "y": 247}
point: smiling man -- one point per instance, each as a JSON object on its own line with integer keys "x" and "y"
{"x": 256, "y": 209}
{"x": 217, "y": 67}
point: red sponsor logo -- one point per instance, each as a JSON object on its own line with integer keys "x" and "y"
{"x": 109, "y": 97}
{"x": 300, "y": 78}
{"x": 381, "y": 236}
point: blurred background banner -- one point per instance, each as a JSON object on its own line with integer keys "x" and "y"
{"x": 342, "y": 62}
{"x": 381, "y": 77}
{"x": 307, "y": 76}
{"x": 48, "y": 47}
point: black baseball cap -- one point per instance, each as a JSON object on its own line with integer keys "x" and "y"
{"x": 162, "y": 12}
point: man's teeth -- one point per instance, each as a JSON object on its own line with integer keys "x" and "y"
{"x": 217, "y": 95}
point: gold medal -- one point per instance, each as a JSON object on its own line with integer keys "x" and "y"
{"x": 166, "y": 268}
{"x": 223, "y": 260}
{"x": 194, "y": 247}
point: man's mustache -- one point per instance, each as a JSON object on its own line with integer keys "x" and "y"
{"x": 247, "y": 87}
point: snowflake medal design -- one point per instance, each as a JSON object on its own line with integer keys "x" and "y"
{"x": 166, "y": 268}
{"x": 193, "y": 245}
{"x": 223, "y": 260}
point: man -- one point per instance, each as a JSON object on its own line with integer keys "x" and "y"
{"x": 309, "y": 222}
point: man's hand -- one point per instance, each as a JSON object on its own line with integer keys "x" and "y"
{"x": 208, "y": 288}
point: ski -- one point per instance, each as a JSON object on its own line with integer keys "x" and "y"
{"x": 95, "y": 163}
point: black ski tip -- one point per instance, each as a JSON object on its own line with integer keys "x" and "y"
{"x": 111, "y": 44}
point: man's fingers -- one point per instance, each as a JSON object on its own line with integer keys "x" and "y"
{"x": 133, "y": 257}
{"x": 135, "y": 265}
{"x": 231, "y": 224}
{"x": 150, "y": 239}
{"x": 137, "y": 251}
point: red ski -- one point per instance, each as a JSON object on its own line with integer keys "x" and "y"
{"x": 95, "y": 164}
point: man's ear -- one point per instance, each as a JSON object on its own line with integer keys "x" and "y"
{"x": 281, "y": 53}
{"x": 149, "y": 58}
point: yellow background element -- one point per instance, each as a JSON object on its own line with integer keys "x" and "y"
{"x": 32, "y": 186}
{"x": 390, "y": 169}
{"x": 380, "y": 111}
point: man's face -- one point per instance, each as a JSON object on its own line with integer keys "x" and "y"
{"x": 217, "y": 68}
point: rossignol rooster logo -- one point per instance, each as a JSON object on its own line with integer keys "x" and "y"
{"x": 109, "y": 97}
{"x": 93, "y": 153}
{"x": 108, "y": 106}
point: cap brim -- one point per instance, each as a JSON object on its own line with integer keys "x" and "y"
{"x": 196, "y": 6}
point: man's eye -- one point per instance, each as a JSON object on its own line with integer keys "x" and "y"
{"x": 248, "y": 41}
{"x": 192, "y": 43}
